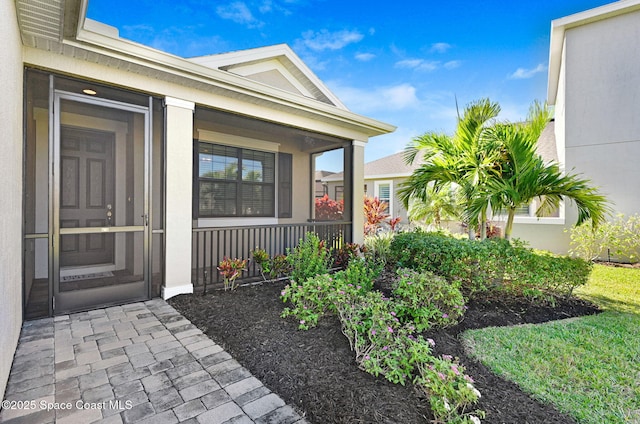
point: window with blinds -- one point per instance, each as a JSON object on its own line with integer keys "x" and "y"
{"x": 232, "y": 181}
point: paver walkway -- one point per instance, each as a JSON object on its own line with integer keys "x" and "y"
{"x": 136, "y": 363}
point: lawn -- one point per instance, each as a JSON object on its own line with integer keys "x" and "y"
{"x": 588, "y": 367}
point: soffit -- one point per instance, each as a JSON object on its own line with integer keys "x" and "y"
{"x": 48, "y": 25}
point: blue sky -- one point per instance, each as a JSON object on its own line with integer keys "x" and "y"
{"x": 403, "y": 63}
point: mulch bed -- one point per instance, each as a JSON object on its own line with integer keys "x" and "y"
{"x": 315, "y": 370}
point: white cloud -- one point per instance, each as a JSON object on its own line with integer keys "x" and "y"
{"x": 325, "y": 40}
{"x": 365, "y": 57}
{"x": 522, "y": 73}
{"x": 452, "y": 64}
{"x": 239, "y": 13}
{"x": 440, "y": 47}
{"x": 395, "y": 97}
{"x": 418, "y": 64}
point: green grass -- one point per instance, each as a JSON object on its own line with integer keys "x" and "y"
{"x": 613, "y": 288}
{"x": 588, "y": 367}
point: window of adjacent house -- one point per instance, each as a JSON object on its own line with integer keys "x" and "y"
{"x": 233, "y": 181}
{"x": 383, "y": 191}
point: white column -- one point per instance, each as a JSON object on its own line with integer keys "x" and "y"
{"x": 178, "y": 217}
{"x": 358, "y": 191}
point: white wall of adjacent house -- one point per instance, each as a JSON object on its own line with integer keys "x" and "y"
{"x": 10, "y": 189}
{"x": 597, "y": 118}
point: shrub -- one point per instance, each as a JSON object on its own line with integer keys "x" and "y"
{"x": 449, "y": 389}
{"x": 309, "y": 300}
{"x": 328, "y": 209}
{"x": 378, "y": 247}
{"x": 230, "y": 269}
{"x": 318, "y": 295}
{"x": 427, "y": 300}
{"x": 343, "y": 256}
{"x": 382, "y": 343}
{"x": 270, "y": 267}
{"x": 308, "y": 259}
{"x": 361, "y": 274}
{"x": 619, "y": 238}
{"x": 376, "y": 216}
{"x": 492, "y": 264}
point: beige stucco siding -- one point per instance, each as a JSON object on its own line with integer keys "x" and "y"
{"x": 10, "y": 189}
{"x": 597, "y": 108}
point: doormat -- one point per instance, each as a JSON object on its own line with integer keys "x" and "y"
{"x": 90, "y": 276}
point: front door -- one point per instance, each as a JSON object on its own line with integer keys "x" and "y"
{"x": 87, "y": 195}
{"x": 100, "y": 202}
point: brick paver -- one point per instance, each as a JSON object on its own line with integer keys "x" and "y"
{"x": 135, "y": 363}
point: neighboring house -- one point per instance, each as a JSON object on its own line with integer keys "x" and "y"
{"x": 382, "y": 179}
{"x": 128, "y": 171}
{"x": 594, "y": 83}
{"x": 321, "y": 188}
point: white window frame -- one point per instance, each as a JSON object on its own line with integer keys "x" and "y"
{"x": 376, "y": 191}
{"x": 533, "y": 219}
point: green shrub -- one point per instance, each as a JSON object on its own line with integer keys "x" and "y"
{"x": 492, "y": 264}
{"x": 378, "y": 247}
{"x": 317, "y": 295}
{"x": 427, "y": 300}
{"x": 308, "y": 259}
{"x": 617, "y": 240}
{"x": 382, "y": 343}
{"x": 361, "y": 274}
{"x": 270, "y": 267}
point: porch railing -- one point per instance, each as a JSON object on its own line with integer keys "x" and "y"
{"x": 210, "y": 245}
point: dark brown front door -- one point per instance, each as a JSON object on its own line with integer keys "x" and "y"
{"x": 87, "y": 195}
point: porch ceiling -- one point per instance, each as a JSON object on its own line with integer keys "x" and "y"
{"x": 58, "y": 26}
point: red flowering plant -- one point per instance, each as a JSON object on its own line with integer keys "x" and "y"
{"x": 328, "y": 209}
{"x": 230, "y": 269}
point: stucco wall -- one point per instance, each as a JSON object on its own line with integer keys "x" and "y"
{"x": 597, "y": 118}
{"x": 602, "y": 106}
{"x": 10, "y": 189}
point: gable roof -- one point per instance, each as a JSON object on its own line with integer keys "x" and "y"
{"x": 546, "y": 146}
{"x": 559, "y": 26}
{"x": 61, "y": 27}
{"x": 277, "y": 66}
{"x": 392, "y": 166}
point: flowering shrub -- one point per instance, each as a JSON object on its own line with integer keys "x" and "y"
{"x": 378, "y": 339}
{"x": 383, "y": 343}
{"x": 328, "y": 209}
{"x": 449, "y": 389}
{"x": 318, "y": 295}
{"x": 427, "y": 300}
{"x": 309, "y": 300}
{"x": 230, "y": 270}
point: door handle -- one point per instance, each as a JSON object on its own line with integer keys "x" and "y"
{"x": 145, "y": 218}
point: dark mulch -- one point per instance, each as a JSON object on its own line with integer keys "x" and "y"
{"x": 315, "y": 371}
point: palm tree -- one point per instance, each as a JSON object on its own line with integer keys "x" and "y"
{"x": 440, "y": 205}
{"x": 520, "y": 175}
{"x": 463, "y": 159}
